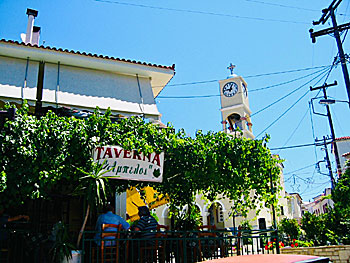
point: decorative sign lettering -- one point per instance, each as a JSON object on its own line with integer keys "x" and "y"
{"x": 130, "y": 165}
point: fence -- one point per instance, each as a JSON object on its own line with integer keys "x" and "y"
{"x": 167, "y": 246}
{"x": 177, "y": 246}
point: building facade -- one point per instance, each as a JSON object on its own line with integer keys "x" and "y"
{"x": 235, "y": 112}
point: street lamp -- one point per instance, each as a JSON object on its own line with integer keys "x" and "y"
{"x": 330, "y": 101}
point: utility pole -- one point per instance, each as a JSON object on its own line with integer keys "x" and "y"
{"x": 336, "y": 153}
{"x": 329, "y": 12}
{"x": 327, "y": 160}
{"x": 274, "y": 215}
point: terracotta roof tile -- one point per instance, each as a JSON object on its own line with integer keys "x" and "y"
{"x": 87, "y": 54}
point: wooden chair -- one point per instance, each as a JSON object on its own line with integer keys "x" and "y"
{"x": 207, "y": 233}
{"x": 155, "y": 252}
{"x": 110, "y": 253}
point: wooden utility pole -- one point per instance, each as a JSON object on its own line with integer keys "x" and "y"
{"x": 327, "y": 160}
{"x": 336, "y": 153}
{"x": 329, "y": 12}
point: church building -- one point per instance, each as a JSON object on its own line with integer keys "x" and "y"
{"x": 235, "y": 113}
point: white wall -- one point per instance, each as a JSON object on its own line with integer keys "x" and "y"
{"x": 343, "y": 147}
{"x": 79, "y": 88}
{"x": 12, "y": 79}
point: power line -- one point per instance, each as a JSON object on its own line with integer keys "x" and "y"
{"x": 293, "y": 146}
{"x": 286, "y": 110}
{"x": 313, "y": 130}
{"x": 201, "y": 12}
{"x": 286, "y": 6}
{"x": 286, "y": 82}
{"x": 286, "y": 71}
{"x": 246, "y": 77}
{"x": 254, "y": 90}
{"x": 282, "y": 98}
{"x": 299, "y": 169}
{"x": 296, "y": 128}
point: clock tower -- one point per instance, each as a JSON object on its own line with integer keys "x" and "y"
{"x": 235, "y": 109}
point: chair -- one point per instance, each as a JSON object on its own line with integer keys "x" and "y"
{"x": 208, "y": 241}
{"x": 110, "y": 253}
{"x": 151, "y": 253}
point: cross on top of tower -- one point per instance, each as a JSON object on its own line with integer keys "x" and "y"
{"x": 231, "y": 67}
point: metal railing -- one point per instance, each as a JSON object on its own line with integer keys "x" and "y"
{"x": 172, "y": 246}
{"x": 178, "y": 246}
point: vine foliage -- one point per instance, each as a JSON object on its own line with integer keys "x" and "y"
{"x": 41, "y": 157}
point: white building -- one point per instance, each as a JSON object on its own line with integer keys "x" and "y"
{"x": 294, "y": 206}
{"x": 55, "y": 77}
{"x": 235, "y": 113}
{"x": 343, "y": 144}
{"x": 320, "y": 204}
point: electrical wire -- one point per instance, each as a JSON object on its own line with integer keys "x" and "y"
{"x": 300, "y": 98}
{"x": 247, "y": 77}
{"x": 290, "y": 93}
{"x": 296, "y": 128}
{"x": 254, "y": 90}
{"x": 313, "y": 130}
{"x": 286, "y": 82}
{"x": 299, "y": 169}
{"x": 201, "y": 12}
{"x": 292, "y": 147}
{"x": 285, "y": 6}
{"x": 289, "y": 6}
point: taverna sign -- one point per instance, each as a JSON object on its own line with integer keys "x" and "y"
{"x": 130, "y": 165}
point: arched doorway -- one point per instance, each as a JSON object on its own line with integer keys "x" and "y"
{"x": 216, "y": 215}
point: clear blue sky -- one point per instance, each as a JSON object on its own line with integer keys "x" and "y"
{"x": 201, "y": 38}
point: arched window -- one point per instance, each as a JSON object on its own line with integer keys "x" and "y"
{"x": 235, "y": 121}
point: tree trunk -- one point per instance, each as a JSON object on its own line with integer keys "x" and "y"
{"x": 83, "y": 226}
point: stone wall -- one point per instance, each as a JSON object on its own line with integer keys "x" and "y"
{"x": 337, "y": 254}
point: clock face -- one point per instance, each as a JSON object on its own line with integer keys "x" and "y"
{"x": 245, "y": 91}
{"x": 230, "y": 89}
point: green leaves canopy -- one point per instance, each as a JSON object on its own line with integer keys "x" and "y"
{"x": 44, "y": 157}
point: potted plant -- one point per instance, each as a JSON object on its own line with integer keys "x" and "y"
{"x": 93, "y": 188}
{"x": 61, "y": 250}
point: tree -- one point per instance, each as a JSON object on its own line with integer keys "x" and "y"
{"x": 315, "y": 228}
{"x": 289, "y": 228}
{"x": 93, "y": 188}
{"x": 339, "y": 216}
{"x": 41, "y": 157}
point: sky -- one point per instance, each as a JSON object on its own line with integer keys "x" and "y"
{"x": 267, "y": 40}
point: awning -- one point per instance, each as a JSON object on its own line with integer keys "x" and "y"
{"x": 141, "y": 197}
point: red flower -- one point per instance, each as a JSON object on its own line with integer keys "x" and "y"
{"x": 296, "y": 244}
{"x": 292, "y": 245}
{"x": 294, "y": 240}
{"x": 266, "y": 247}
